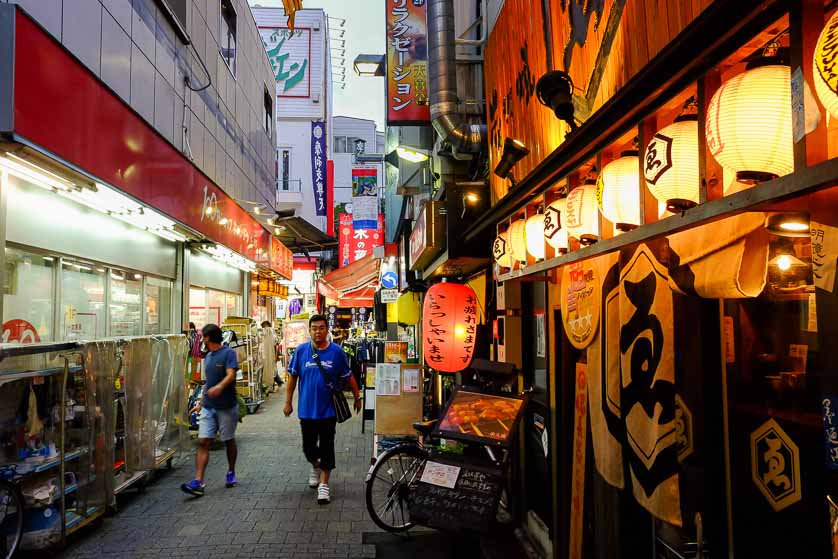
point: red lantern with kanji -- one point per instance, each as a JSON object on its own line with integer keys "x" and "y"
{"x": 449, "y": 326}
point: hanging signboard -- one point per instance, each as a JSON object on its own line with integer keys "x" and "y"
{"x": 318, "y": 167}
{"x": 365, "y": 198}
{"x": 426, "y": 238}
{"x": 282, "y": 259}
{"x": 407, "y": 62}
{"x": 268, "y": 287}
{"x": 389, "y": 295}
{"x": 580, "y": 303}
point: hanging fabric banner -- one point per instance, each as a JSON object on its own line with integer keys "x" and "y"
{"x": 344, "y": 240}
{"x": 647, "y": 362}
{"x": 407, "y": 63}
{"x": 365, "y": 198}
{"x": 318, "y": 167}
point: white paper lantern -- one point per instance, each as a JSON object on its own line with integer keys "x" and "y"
{"x": 749, "y": 128}
{"x": 517, "y": 236}
{"x": 554, "y": 233}
{"x": 582, "y": 216}
{"x": 535, "y": 236}
{"x": 670, "y": 164}
{"x": 502, "y": 251}
{"x": 618, "y": 191}
{"x": 825, "y": 76}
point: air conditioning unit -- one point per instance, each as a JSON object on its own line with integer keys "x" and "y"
{"x": 316, "y": 26}
{"x": 315, "y": 97}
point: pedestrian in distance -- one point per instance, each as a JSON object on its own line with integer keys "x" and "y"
{"x": 219, "y": 412}
{"x": 315, "y": 409}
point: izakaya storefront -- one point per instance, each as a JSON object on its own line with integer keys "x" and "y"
{"x": 666, "y": 275}
{"x": 107, "y": 229}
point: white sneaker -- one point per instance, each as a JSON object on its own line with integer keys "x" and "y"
{"x": 314, "y": 477}
{"x": 323, "y": 494}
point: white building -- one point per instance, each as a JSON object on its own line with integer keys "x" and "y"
{"x": 345, "y": 131}
{"x": 302, "y": 67}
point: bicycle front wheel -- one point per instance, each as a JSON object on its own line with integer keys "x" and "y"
{"x": 389, "y": 485}
{"x": 11, "y": 519}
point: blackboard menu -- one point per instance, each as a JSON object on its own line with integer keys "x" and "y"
{"x": 456, "y": 494}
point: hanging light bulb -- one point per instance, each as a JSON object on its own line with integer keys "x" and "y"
{"x": 502, "y": 250}
{"x": 554, "y": 233}
{"x": 749, "y": 126}
{"x": 517, "y": 236}
{"x": 826, "y": 80}
{"x": 582, "y": 216}
{"x": 618, "y": 191}
{"x": 535, "y": 236}
{"x": 671, "y": 162}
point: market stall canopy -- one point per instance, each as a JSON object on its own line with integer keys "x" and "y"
{"x": 301, "y": 236}
{"x": 361, "y": 297}
{"x": 357, "y": 275}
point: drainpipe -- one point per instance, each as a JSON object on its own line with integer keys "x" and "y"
{"x": 466, "y": 139}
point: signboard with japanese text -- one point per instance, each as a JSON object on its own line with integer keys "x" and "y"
{"x": 407, "y": 62}
{"x": 354, "y": 244}
{"x": 318, "y": 167}
{"x": 365, "y": 198}
{"x": 344, "y": 239}
{"x": 282, "y": 259}
{"x": 289, "y": 53}
{"x": 268, "y": 287}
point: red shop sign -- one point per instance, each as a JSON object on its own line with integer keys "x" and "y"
{"x": 60, "y": 106}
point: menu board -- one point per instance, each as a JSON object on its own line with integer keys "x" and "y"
{"x": 485, "y": 418}
{"x": 459, "y": 495}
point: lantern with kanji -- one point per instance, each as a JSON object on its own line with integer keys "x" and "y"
{"x": 449, "y": 326}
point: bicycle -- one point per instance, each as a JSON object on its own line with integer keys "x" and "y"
{"x": 392, "y": 481}
{"x": 11, "y": 513}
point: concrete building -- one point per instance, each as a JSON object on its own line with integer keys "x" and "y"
{"x": 346, "y": 130}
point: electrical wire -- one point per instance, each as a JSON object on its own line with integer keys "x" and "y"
{"x": 206, "y": 71}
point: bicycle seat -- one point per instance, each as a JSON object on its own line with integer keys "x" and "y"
{"x": 425, "y": 427}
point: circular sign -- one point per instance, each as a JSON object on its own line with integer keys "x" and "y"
{"x": 389, "y": 280}
{"x": 20, "y": 331}
{"x": 581, "y": 300}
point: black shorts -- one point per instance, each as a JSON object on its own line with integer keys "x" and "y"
{"x": 319, "y": 441}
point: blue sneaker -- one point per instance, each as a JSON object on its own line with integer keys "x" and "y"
{"x": 231, "y": 479}
{"x": 194, "y": 487}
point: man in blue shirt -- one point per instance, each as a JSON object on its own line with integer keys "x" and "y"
{"x": 219, "y": 408}
{"x": 316, "y": 412}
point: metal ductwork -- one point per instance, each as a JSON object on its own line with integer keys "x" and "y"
{"x": 466, "y": 139}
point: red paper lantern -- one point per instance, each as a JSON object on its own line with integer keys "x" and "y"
{"x": 449, "y": 326}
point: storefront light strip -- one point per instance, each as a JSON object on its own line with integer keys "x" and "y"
{"x": 104, "y": 199}
{"x": 230, "y": 258}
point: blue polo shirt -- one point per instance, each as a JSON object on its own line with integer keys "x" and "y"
{"x": 315, "y": 401}
{"x": 216, "y": 364}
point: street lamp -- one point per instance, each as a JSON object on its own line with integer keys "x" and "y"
{"x": 369, "y": 65}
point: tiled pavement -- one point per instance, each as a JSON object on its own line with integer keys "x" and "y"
{"x": 272, "y": 512}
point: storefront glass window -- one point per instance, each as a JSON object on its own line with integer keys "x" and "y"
{"x": 28, "y": 297}
{"x": 216, "y": 307}
{"x": 126, "y": 303}
{"x": 232, "y": 304}
{"x": 158, "y": 306}
{"x": 198, "y": 307}
{"x": 82, "y": 313}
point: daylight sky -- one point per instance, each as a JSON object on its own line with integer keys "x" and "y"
{"x": 364, "y": 26}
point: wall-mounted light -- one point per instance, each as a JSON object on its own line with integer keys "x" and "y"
{"x": 517, "y": 239}
{"x": 513, "y": 152}
{"x": 618, "y": 191}
{"x": 555, "y": 91}
{"x": 535, "y": 236}
{"x": 369, "y": 65}
{"x": 411, "y": 155}
{"x": 258, "y": 209}
{"x": 582, "y": 216}
{"x": 554, "y": 232}
{"x": 671, "y": 162}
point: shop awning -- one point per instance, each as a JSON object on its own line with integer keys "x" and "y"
{"x": 362, "y": 297}
{"x": 351, "y": 280}
{"x": 301, "y": 236}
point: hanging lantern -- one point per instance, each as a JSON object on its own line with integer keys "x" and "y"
{"x": 535, "y": 236}
{"x": 671, "y": 164}
{"x": 502, "y": 251}
{"x": 554, "y": 233}
{"x": 582, "y": 216}
{"x": 449, "y": 326}
{"x": 749, "y": 127}
{"x": 618, "y": 191}
{"x": 407, "y": 306}
{"x": 517, "y": 238}
{"x": 826, "y": 80}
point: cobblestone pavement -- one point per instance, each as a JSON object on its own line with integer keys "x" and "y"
{"x": 272, "y": 512}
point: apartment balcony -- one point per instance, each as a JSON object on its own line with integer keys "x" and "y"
{"x": 289, "y": 194}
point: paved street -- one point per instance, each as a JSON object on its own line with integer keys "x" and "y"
{"x": 272, "y": 512}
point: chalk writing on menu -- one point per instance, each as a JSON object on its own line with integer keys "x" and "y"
{"x": 829, "y": 406}
{"x": 470, "y": 504}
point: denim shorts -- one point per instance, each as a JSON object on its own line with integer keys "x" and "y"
{"x": 223, "y": 421}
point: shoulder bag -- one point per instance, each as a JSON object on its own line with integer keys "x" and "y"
{"x": 342, "y": 409}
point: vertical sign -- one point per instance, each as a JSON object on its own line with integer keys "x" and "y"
{"x": 330, "y": 197}
{"x": 407, "y": 62}
{"x": 829, "y": 405}
{"x": 318, "y": 166}
{"x": 365, "y": 198}
{"x": 344, "y": 239}
{"x": 580, "y": 441}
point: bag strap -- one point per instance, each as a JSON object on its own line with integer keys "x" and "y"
{"x": 316, "y": 358}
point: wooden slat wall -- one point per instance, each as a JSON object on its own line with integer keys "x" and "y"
{"x": 646, "y": 27}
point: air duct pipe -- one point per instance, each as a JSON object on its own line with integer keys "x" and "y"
{"x": 466, "y": 139}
